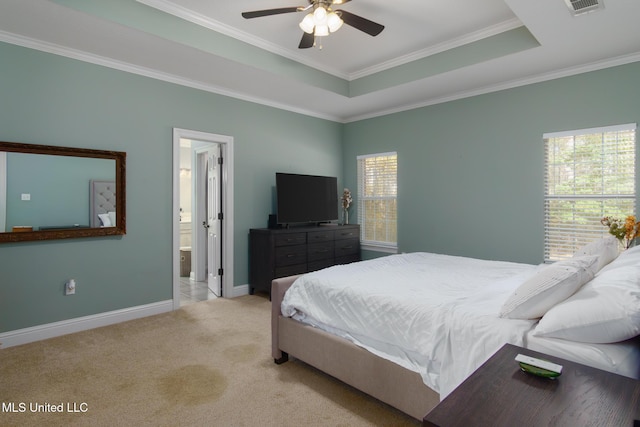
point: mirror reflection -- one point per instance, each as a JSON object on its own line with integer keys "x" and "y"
{"x": 47, "y": 192}
{"x": 57, "y": 192}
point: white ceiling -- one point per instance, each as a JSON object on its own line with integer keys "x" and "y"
{"x": 429, "y": 52}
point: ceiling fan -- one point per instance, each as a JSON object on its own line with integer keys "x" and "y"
{"x": 321, "y": 20}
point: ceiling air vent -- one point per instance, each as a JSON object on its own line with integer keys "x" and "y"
{"x": 578, "y": 7}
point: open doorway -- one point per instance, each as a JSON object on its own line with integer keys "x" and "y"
{"x": 203, "y": 220}
{"x": 200, "y": 220}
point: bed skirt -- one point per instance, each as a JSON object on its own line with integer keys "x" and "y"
{"x": 386, "y": 381}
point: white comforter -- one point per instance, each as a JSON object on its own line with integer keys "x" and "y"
{"x": 433, "y": 314}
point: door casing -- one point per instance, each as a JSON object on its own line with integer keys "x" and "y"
{"x": 226, "y": 177}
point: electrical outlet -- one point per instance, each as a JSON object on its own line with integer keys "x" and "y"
{"x": 70, "y": 287}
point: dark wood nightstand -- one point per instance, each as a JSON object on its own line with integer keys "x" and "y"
{"x": 499, "y": 393}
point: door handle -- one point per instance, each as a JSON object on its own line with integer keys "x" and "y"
{"x": 205, "y": 225}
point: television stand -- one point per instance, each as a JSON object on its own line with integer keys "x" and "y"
{"x": 285, "y": 252}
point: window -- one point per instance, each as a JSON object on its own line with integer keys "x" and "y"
{"x": 589, "y": 174}
{"x": 377, "y": 204}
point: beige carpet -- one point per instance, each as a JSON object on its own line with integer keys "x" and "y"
{"x": 207, "y": 364}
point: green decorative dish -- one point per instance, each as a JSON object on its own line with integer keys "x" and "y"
{"x": 534, "y": 370}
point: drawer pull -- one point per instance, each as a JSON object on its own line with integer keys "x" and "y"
{"x": 347, "y": 247}
{"x": 291, "y": 255}
{"x": 347, "y": 234}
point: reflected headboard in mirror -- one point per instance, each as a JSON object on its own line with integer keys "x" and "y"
{"x": 49, "y": 192}
{"x": 102, "y": 204}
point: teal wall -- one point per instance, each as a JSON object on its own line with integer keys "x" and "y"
{"x": 59, "y": 188}
{"x": 470, "y": 172}
{"x": 48, "y": 99}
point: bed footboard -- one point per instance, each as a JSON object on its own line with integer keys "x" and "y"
{"x": 278, "y": 288}
{"x": 384, "y": 380}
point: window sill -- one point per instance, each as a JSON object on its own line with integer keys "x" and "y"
{"x": 378, "y": 248}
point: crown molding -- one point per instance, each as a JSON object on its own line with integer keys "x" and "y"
{"x": 217, "y": 26}
{"x": 206, "y": 22}
{"x": 441, "y": 47}
{"x": 557, "y": 74}
{"x": 67, "y": 52}
{"x": 48, "y": 47}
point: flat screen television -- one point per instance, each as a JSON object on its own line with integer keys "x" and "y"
{"x": 306, "y": 198}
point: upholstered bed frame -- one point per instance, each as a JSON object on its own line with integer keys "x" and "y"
{"x": 384, "y": 380}
{"x": 103, "y": 200}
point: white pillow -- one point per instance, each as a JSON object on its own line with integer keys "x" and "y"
{"x": 629, "y": 256}
{"x": 553, "y": 284}
{"x": 606, "y": 248}
{"x": 105, "y": 220}
{"x": 112, "y": 218}
{"x": 605, "y": 310}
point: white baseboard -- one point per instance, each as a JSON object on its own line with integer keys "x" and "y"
{"x": 64, "y": 327}
{"x": 241, "y": 290}
{"x": 51, "y": 330}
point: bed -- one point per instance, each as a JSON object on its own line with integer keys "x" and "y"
{"x": 408, "y": 328}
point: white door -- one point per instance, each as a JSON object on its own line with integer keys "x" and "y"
{"x": 207, "y": 201}
{"x": 213, "y": 221}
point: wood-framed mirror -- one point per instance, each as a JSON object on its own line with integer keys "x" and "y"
{"x": 49, "y": 192}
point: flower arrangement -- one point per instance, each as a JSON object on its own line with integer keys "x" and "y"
{"x": 346, "y": 199}
{"x": 624, "y": 230}
{"x": 346, "y": 202}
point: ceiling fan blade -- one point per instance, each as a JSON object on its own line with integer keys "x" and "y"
{"x": 338, "y": 2}
{"x": 360, "y": 23}
{"x": 268, "y": 12}
{"x": 307, "y": 41}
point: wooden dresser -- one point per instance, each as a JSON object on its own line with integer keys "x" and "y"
{"x": 287, "y": 251}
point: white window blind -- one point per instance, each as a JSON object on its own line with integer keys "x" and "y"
{"x": 377, "y": 199}
{"x": 589, "y": 174}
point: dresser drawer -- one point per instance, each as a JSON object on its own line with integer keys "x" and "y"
{"x": 290, "y": 270}
{"x": 319, "y": 251}
{"x": 290, "y": 255}
{"x": 346, "y": 247}
{"x": 287, "y": 239}
{"x": 320, "y": 236}
{"x": 281, "y": 252}
{"x": 319, "y": 265}
{"x": 347, "y": 233}
{"x": 347, "y": 259}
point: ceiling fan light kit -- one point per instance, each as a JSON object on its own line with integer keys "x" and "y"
{"x": 322, "y": 20}
{"x": 334, "y": 22}
{"x": 307, "y": 24}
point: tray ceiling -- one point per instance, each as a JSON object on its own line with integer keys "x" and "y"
{"x": 429, "y": 52}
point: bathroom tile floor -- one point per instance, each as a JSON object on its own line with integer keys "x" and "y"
{"x": 191, "y": 291}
